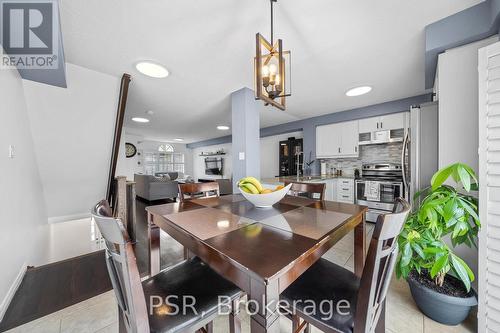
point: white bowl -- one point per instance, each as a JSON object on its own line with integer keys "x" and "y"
{"x": 268, "y": 199}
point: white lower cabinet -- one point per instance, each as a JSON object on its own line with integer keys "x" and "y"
{"x": 345, "y": 190}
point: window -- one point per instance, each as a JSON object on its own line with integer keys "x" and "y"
{"x": 166, "y": 148}
{"x": 164, "y": 160}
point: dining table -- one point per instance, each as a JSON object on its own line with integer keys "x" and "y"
{"x": 261, "y": 250}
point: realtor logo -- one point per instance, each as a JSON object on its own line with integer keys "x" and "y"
{"x": 29, "y": 34}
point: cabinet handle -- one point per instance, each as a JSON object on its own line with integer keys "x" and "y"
{"x": 377, "y": 125}
{"x": 381, "y": 125}
{"x": 355, "y": 149}
{"x": 345, "y": 189}
{"x": 345, "y": 196}
{"x": 339, "y": 149}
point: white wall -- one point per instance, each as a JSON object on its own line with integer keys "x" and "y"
{"x": 129, "y": 166}
{"x": 22, "y": 205}
{"x": 270, "y": 153}
{"x": 73, "y": 131}
{"x": 458, "y": 104}
{"x": 459, "y": 114}
{"x": 199, "y": 161}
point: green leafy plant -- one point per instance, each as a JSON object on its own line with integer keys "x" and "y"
{"x": 443, "y": 211}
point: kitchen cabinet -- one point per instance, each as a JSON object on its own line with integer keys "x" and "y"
{"x": 330, "y": 188}
{"x": 345, "y": 190}
{"x": 393, "y": 121}
{"x": 337, "y": 140}
{"x": 387, "y": 122}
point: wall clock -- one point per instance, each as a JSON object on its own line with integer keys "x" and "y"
{"x": 130, "y": 150}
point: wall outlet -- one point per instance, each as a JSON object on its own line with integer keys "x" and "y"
{"x": 11, "y": 151}
{"x": 242, "y": 156}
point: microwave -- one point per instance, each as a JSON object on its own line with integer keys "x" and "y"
{"x": 378, "y": 137}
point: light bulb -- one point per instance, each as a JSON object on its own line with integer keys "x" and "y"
{"x": 277, "y": 80}
{"x": 273, "y": 69}
{"x": 265, "y": 70}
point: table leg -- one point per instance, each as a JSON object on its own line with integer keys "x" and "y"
{"x": 381, "y": 321}
{"x": 359, "y": 247}
{"x": 263, "y": 301}
{"x": 154, "y": 246}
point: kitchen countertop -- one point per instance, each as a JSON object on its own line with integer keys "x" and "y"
{"x": 281, "y": 180}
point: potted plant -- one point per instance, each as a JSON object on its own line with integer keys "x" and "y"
{"x": 439, "y": 280}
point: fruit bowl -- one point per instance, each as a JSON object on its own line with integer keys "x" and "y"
{"x": 266, "y": 200}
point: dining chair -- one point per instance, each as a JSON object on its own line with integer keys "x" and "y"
{"x": 151, "y": 305}
{"x": 309, "y": 188}
{"x": 197, "y": 190}
{"x": 363, "y": 297}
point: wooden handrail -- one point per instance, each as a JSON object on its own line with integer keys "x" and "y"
{"x": 120, "y": 113}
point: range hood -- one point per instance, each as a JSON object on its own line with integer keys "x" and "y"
{"x": 381, "y": 137}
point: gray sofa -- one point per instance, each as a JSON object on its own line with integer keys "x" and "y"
{"x": 153, "y": 188}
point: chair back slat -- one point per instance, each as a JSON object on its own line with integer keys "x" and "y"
{"x": 379, "y": 267}
{"x": 196, "y": 190}
{"x": 309, "y": 188}
{"x": 122, "y": 269}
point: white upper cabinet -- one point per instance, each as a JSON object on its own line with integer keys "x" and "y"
{"x": 388, "y": 122}
{"x": 393, "y": 121}
{"x": 349, "y": 138}
{"x": 368, "y": 125}
{"x": 337, "y": 140}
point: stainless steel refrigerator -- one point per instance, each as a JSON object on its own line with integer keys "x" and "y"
{"x": 420, "y": 148}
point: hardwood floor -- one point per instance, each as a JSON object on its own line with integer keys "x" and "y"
{"x": 50, "y": 288}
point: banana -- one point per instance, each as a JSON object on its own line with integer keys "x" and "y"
{"x": 243, "y": 188}
{"x": 253, "y": 181}
{"x": 249, "y": 187}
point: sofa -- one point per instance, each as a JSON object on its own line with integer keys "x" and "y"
{"x": 156, "y": 188}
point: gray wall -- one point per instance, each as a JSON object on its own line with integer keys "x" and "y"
{"x": 308, "y": 126}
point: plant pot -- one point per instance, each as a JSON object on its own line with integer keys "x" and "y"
{"x": 445, "y": 309}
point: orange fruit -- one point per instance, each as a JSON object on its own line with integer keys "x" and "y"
{"x": 279, "y": 187}
{"x": 265, "y": 191}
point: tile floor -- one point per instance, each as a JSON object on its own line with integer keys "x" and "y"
{"x": 100, "y": 315}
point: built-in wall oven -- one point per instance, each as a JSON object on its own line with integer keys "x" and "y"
{"x": 380, "y": 185}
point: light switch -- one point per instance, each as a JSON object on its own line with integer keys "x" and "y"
{"x": 11, "y": 151}
{"x": 242, "y": 156}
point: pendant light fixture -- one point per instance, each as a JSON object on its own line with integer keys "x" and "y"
{"x": 272, "y": 67}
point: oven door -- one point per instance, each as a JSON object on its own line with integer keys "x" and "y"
{"x": 389, "y": 191}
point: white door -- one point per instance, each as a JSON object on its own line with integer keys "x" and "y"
{"x": 392, "y": 121}
{"x": 489, "y": 193}
{"x": 368, "y": 125}
{"x": 349, "y": 138}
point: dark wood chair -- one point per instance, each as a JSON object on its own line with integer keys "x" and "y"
{"x": 139, "y": 302}
{"x": 310, "y": 189}
{"x": 197, "y": 190}
{"x": 325, "y": 281}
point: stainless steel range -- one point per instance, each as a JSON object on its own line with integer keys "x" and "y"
{"x": 378, "y": 188}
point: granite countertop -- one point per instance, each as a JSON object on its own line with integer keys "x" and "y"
{"x": 279, "y": 180}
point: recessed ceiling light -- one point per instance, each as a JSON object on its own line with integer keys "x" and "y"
{"x": 178, "y": 139}
{"x": 222, "y": 128}
{"x": 152, "y": 69}
{"x": 140, "y": 120}
{"x": 358, "y": 91}
{"x": 150, "y": 112}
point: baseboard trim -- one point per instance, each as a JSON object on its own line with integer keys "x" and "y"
{"x": 66, "y": 218}
{"x": 12, "y": 291}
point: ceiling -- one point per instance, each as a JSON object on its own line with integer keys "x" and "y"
{"x": 208, "y": 47}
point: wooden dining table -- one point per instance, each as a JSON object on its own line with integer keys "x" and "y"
{"x": 261, "y": 250}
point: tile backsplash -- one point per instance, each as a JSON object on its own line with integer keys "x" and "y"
{"x": 387, "y": 153}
